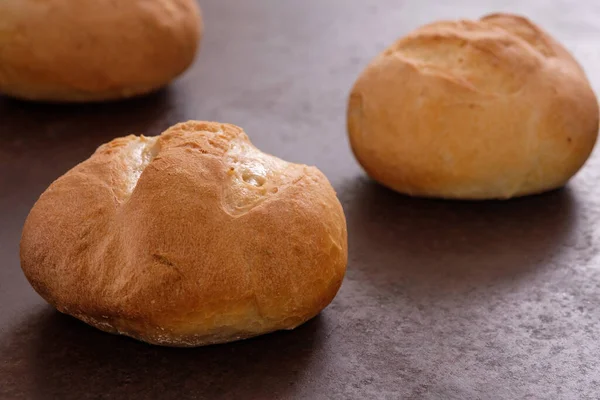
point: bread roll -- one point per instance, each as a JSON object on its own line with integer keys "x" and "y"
{"x": 94, "y": 50}
{"x": 487, "y": 109}
{"x": 189, "y": 238}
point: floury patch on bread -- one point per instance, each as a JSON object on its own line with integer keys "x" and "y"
{"x": 486, "y": 109}
{"x": 94, "y": 50}
{"x": 189, "y": 238}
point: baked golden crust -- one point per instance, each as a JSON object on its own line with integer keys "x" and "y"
{"x": 189, "y": 238}
{"x": 73, "y": 51}
{"x": 493, "y": 108}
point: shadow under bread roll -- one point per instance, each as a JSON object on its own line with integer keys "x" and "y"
{"x": 189, "y": 238}
{"x": 486, "y": 109}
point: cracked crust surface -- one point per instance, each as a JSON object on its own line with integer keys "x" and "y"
{"x": 75, "y": 51}
{"x": 189, "y": 238}
{"x": 493, "y": 108}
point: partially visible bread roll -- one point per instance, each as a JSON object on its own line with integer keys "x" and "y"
{"x": 487, "y": 109}
{"x": 189, "y": 238}
{"x": 94, "y": 50}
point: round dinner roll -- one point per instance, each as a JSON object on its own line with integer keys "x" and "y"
{"x": 189, "y": 238}
{"x": 94, "y": 50}
{"x": 487, "y": 109}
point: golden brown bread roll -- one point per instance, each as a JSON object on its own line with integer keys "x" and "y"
{"x": 189, "y": 238}
{"x": 493, "y": 108}
{"x": 94, "y": 50}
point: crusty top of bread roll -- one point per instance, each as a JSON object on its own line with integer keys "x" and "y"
{"x": 93, "y": 50}
{"x": 493, "y": 108}
{"x": 189, "y": 238}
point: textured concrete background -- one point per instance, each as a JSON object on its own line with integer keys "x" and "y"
{"x": 442, "y": 300}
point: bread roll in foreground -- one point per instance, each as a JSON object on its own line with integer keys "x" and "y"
{"x": 487, "y": 109}
{"x": 94, "y": 50}
{"x": 190, "y": 238}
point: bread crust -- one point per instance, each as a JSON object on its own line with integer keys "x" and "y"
{"x": 85, "y": 51}
{"x": 487, "y": 109}
{"x": 190, "y": 238}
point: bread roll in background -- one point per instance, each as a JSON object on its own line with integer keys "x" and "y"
{"x": 94, "y": 50}
{"x": 189, "y": 238}
{"x": 487, "y": 109}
